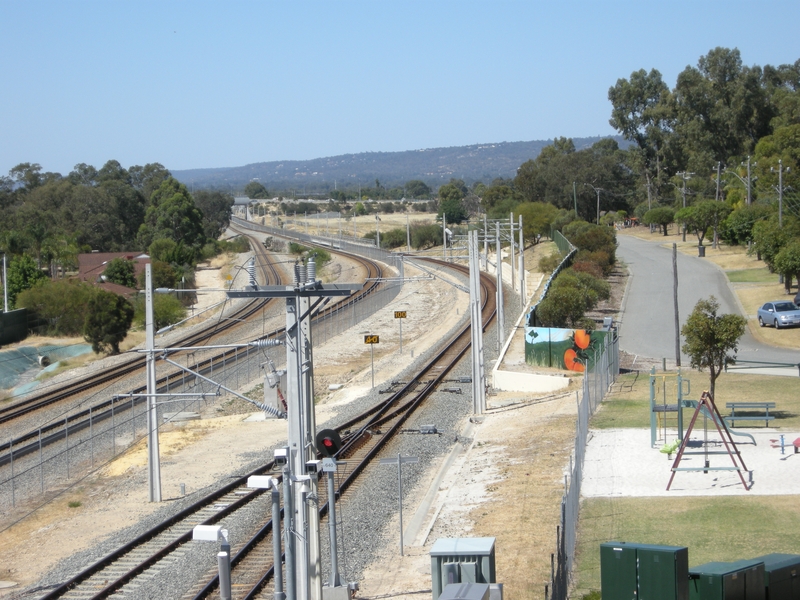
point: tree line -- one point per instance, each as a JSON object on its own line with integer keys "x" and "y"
{"x": 47, "y": 219}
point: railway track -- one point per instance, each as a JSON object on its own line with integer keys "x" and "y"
{"x": 363, "y": 438}
{"x": 137, "y": 363}
{"x": 35, "y": 440}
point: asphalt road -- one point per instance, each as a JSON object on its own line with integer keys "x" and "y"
{"x": 648, "y": 322}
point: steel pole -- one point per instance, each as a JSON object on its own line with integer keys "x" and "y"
{"x": 400, "y": 494}
{"x": 501, "y": 324}
{"x": 277, "y": 570}
{"x": 153, "y": 456}
{"x": 335, "y": 579}
{"x": 512, "y": 254}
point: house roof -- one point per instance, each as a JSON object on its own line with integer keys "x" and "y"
{"x": 91, "y": 265}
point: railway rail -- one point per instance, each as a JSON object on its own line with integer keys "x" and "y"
{"x": 363, "y": 438}
{"x": 35, "y": 440}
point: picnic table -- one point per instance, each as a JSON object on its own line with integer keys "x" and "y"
{"x": 749, "y": 407}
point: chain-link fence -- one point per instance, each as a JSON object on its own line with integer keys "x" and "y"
{"x": 58, "y": 454}
{"x": 596, "y": 382}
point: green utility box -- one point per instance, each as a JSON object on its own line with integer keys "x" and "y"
{"x": 630, "y": 571}
{"x": 717, "y": 581}
{"x": 781, "y": 576}
{"x": 753, "y": 578}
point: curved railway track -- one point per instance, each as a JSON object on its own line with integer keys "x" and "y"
{"x": 33, "y": 441}
{"x": 107, "y": 375}
{"x": 251, "y": 564}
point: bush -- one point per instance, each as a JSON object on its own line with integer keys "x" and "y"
{"x": 586, "y": 266}
{"x": 61, "y": 303}
{"x": 426, "y": 236}
{"x": 295, "y": 248}
{"x": 593, "y": 286}
{"x": 599, "y": 257}
{"x": 394, "y": 238}
{"x": 564, "y": 306}
{"x": 549, "y": 263}
{"x": 167, "y": 310}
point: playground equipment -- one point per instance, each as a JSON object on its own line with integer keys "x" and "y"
{"x": 659, "y": 411}
{"x": 706, "y": 406}
{"x": 671, "y": 389}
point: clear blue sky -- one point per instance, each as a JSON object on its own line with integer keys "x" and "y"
{"x": 217, "y": 84}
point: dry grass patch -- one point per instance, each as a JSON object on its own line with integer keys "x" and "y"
{"x": 714, "y": 529}
{"x": 524, "y": 507}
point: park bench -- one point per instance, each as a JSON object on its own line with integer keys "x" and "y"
{"x": 749, "y": 407}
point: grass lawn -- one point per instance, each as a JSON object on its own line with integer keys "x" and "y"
{"x": 628, "y": 403}
{"x": 757, "y": 275}
{"x": 714, "y": 529}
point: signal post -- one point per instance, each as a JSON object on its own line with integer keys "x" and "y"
{"x": 305, "y": 296}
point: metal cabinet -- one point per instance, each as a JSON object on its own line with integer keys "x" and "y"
{"x": 630, "y": 571}
{"x": 462, "y": 560}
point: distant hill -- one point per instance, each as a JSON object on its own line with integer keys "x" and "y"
{"x": 434, "y": 166}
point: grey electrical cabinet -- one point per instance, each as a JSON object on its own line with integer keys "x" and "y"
{"x": 465, "y": 591}
{"x": 781, "y": 576}
{"x": 461, "y": 560}
{"x": 631, "y": 571}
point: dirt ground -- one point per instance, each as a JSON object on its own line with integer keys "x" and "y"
{"x": 506, "y": 484}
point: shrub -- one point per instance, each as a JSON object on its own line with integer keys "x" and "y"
{"x": 394, "y": 238}
{"x": 586, "y": 266}
{"x": 61, "y": 303}
{"x": 599, "y": 257}
{"x": 426, "y": 236}
{"x": 549, "y": 263}
{"x": 167, "y": 310}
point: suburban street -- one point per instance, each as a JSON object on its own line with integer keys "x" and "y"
{"x": 648, "y": 326}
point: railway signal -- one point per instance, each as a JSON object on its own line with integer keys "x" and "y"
{"x": 329, "y": 442}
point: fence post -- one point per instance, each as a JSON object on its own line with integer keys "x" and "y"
{"x": 41, "y": 462}
{"x": 11, "y": 458}
{"x": 91, "y": 437}
{"x": 66, "y": 437}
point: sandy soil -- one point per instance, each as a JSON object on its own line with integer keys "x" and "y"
{"x": 620, "y": 462}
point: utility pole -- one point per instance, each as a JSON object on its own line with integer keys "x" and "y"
{"x": 408, "y": 234}
{"x": 675, "y": 303}
{"x": 501, "y": 326}
{"x": 153, "y": 456}
{"x": 684, "y": 176}
{"x": 512, "y": 255}
{"x": 716, "y": 196}
{"x": 749, "y": 197}
{"x": 476, "y": 328}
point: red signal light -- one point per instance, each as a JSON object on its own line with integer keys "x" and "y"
{"x": 328, "y": 442}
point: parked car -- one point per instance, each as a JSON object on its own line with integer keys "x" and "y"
{"x": 780, "y": 313}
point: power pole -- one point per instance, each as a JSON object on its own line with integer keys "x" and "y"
{"x": 511, "y": 257}
{"x": 476, "y": 328}
{"x": 675, "y": 302}
{"x": 501, "y": 326}
{"x": 153, "y": 456}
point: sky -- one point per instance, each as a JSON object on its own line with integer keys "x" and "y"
{"x": 212, "y": 84}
